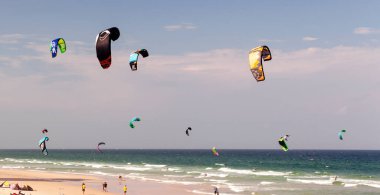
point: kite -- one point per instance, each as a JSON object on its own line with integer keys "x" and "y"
{"x": 42, "y": 145}
{"x": 256, "y": 56}
{"x": 133, "y": 58}
{"x": 187, "y": 131}
{"x": 60, "y": 42}
{"x": 132, "y": 121}
{"x": 44, "y": 131}
{"x": 214, "y": 152}
{"x": 341, "y": 134}
{"x": 100, "y": 143}
{"x": 103, "y": 45}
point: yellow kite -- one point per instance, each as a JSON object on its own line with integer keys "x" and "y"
{"x": 256, "y": 56}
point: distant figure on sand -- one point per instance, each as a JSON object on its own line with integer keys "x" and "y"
{"x": 125, "y": 189}
{"x": 216, "y": 191}
{"x": 105, "y": 187}
{"x": 120, "y": 179}
{"x": 83, "y": 187}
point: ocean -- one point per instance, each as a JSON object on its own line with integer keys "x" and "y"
{"x": 258, "y": 172}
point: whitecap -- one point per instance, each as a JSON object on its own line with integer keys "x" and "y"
{"x": 155, "y": 166}
{"x": 238, "y": 171}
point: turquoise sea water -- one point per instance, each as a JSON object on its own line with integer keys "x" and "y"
{"x": 234, "y": 171}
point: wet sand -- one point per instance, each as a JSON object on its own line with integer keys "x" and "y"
{"x": 48, "y": 183}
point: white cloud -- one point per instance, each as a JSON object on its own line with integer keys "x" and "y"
{"x": 366, "y": 31}
{"x": 183, "y": 26}
{"x": 11, "y": 38}
{"x": 221, "y": 64}
{"x": 309, "y": 38}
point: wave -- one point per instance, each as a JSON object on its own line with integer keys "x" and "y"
{"x": 266, "y": 183}
{"x": 154, "y": 166}
{"x": 12, "y": 167}
{"x": 238, "y": 171}
{"x": 328, "y": 180}
{"x": 93, "y": 165}
{"x": 14, "y": 160}
{"x": 210, "y": 193}
{"x": 175, "y": 169}
{"x": 132, "y": 168}
{"x": 178, "y": 176}
{"x": 350, "y": 185}
{"x": 253, "y": 172}
{"x": 309, "y": 177}
{"x": 311, "y": 181}
{"x": 362, "y": 182}
{"x": 217, "y": 175}
{"x": 238, "y": 187}
{"x": 271, "y": 173}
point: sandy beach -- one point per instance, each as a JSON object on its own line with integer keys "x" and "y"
{"x": 47, "y": 183}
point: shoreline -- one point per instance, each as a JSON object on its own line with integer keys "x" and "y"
{"x": 47, "y": 183}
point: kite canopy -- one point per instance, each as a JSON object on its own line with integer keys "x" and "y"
{"x": 187, "y": 131}
{"x": 45, "y": 131}
{"x": 214, "y": 152}
{"x": 256, "y": 56}
{"x": 42, "y": 145}
{"x": 341, "y": 134}
{"x": 282, "y": 142}
{"x": 60, "y": 42}
{"x": 134, "y": 119}
{"x": 99, "y": 144}
{"x": 133, "y": 58}
{"x": 103, "y": 45}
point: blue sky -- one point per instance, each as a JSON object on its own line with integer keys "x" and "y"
{"x": 323, "y": 76}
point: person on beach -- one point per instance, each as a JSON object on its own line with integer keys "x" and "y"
{"x": 83, "y": 187}
{"x": 105, "y": 187}
{"x": 216, "y": 191}
{"x": 120, "y": 179}
{"x": 125, "y": 189}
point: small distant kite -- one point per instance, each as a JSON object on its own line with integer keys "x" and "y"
{"x": 133, "y": 58}
{"x": 187, "y": 131}
{"x": 214, "y": 152}
{"x": 44, "y": 131}
{"x": 256, "y": 56}
{"x": 99, "y": 144}
{"x": 134, "y": 119}
{"x": 60, "y": 42}
{"x": 42, "y": 145}
{"x": 103, "y": 45}
{"x": 341, "y": 134}
{"x": 282, "y": 142}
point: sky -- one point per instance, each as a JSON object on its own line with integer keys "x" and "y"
{"x": 323, "y": 76}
